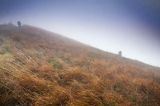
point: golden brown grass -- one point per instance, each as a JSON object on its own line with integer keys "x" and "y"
{"x": 37, "y": 69}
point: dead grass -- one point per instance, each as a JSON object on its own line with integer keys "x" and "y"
{"x": 58, "y": 97}
{"x": 48, "y": 71}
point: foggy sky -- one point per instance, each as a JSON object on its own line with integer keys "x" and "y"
{"x": 131, "y": 26}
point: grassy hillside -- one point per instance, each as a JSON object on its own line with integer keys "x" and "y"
{"x": 40, "y": 68}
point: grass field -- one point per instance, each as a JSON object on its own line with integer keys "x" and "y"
{"x": 41, "y": 68}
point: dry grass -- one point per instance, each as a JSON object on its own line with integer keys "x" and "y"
{"x": 50, "y": 72}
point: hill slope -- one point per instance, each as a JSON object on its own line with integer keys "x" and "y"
{"x": 40, "y": 68}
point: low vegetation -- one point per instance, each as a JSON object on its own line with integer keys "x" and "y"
{"x": 39, "y": 68}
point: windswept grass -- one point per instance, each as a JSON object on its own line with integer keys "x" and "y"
{"x": 37, "y": 69}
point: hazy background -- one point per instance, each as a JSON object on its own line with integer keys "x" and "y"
{"x": 131, "y": 26}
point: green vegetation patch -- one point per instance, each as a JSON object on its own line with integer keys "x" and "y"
{"x": 5, "y": 47}
{"x": 56, "y": 64}
{"x": 7, "y": 57}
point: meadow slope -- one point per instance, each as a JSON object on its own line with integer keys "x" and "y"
{"x": 41, "y": 68}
